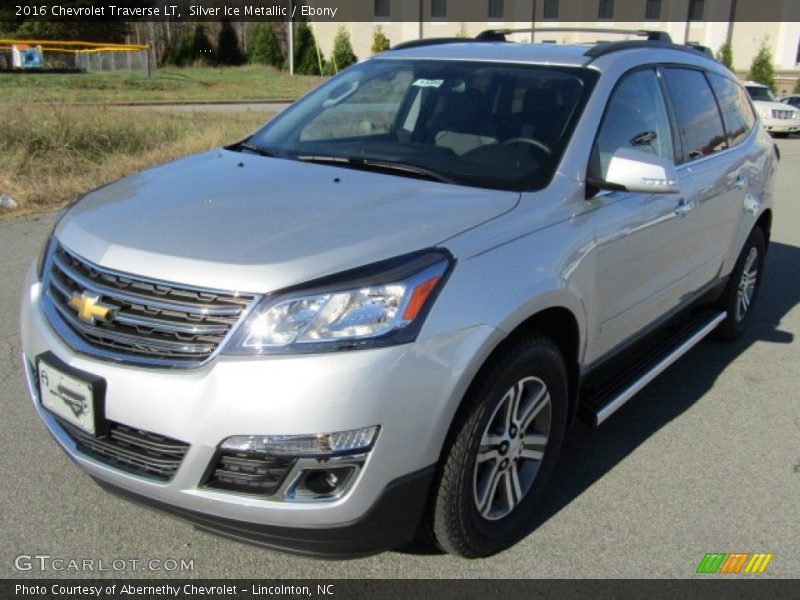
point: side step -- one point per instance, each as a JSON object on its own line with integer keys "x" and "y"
{"x": 604, "y": 401}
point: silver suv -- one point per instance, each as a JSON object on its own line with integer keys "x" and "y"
{"x": 376, "y": 317}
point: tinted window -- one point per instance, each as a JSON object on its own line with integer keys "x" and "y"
{"x": 696, "y": 8}
{"x": 794, "y": 101}
{"x": 496, "y": 9}
{"x": 697, "y": 113}
{"x": 636, "y": 118}
{"x": 551, "y": 9}
{"x": 652, "y": 10}
{"x": 736, "y": 111}
{"x": 382, "y": 8}
{"x": 605, "y": 9}
{"x": 759, "y": 92}
{"x": 489, "y": 125}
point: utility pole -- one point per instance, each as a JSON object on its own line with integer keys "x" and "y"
{"x": 291, "y": 40}
{"x": 731, "y": 21}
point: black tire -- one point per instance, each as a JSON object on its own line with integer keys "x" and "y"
{"x": 454, "y": 519}
{"x": 735, "y": 324}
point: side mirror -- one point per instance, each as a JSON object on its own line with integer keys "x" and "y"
{"x": 632, "y": 170}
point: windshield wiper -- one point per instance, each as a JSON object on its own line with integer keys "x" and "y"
{"x": 366, "y": 164}
{"x": 261, "y": 150}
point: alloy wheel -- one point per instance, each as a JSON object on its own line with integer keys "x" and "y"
{"x": 512, "y": 448}
{"x": 747, "y": 284}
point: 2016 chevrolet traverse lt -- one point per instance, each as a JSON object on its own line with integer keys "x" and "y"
{"x": 376, "y": 317}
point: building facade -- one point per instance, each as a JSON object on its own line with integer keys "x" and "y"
{"x": 745, "y": 24}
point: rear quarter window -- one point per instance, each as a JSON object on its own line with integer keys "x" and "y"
{"x": 698, "y": 117}
{"x": 734, "y": 103}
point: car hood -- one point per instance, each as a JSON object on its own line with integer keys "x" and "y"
{"x": 773, "y": 105}
{"x": 235, "y": 221}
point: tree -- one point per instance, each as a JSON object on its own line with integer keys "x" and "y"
{"x": 202, "y": 50}
{"x": 797, "y": 87}
{"x": 179, "y": 53}
{"x": 725, "y": 55}
{"x": 762, "y": 69}
{"x": 264, "y": 48}
{"x": 228, "y": 52}
{"x": 306, "y": 59}
{"x": 342, "y": 55}
{"x": 380, "y": 42}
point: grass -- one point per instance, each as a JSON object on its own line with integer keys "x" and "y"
{"x": 52, "y": 153}
{"x": 191, "y": 84}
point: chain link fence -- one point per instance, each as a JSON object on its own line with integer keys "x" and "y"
{"x": 74, "y": 56}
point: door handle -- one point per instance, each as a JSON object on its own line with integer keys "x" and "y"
{"x": 684, "y": 207}
{"x": 740, "y": 183}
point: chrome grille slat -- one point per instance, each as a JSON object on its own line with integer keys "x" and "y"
{"x": 133, "y": 298}
{"x": 91, "y": 330}
{"x": 150, "y": 323}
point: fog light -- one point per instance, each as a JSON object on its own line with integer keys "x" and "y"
{"x": 323, "y": 482}
{"x": 320, "y": 444}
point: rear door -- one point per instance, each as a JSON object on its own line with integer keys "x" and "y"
{"x": 719, "y": 182}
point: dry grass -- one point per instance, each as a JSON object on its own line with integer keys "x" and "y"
{"x": 190, "y": 84}
{"x": 51, "y": 153}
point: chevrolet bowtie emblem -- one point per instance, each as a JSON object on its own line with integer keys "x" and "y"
{"x": 89, "y": 308}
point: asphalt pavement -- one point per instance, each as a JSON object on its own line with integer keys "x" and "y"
{"x": 705, "y": 459}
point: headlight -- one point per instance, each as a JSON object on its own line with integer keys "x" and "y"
{"x": 764, "y": 113}
{"x": 379, "y": 305}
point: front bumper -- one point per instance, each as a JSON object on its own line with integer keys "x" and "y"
{"x": 781, "y": 125}
{"x": 411, "y": 391}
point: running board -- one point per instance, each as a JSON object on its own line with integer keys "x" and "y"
{"x": 606, "y": 401}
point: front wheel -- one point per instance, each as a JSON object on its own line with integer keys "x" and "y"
{"x": 503, "y": 447}
{"x": 742, "y": 289}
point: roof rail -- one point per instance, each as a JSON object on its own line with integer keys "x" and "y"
{"x": 700, "y": 48}
{"x": 431, "y": 42}
{"x": 604, "y": 48}
{"x": 499, "y": 35}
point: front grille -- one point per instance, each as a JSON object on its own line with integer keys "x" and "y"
{"x": 149, "y": 322}
{"x": 249, "y": 473}
{"x": 133, "y": 450}
{"x": 782, "y": 114}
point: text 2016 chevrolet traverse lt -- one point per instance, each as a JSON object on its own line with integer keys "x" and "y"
{"x": 377, "y": 316}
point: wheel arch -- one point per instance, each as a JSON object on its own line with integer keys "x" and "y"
{"x": 765, "y": 223}
{"x": 556, "y": 322}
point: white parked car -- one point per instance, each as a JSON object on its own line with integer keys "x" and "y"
{"x": 778, "y": 118}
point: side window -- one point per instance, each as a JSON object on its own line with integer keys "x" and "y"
{"x": 736, "y": 110}
{"x": 696, "y": 111}
{"x": 636, "y": 117}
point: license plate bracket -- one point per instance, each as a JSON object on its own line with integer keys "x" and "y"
{"x": 74, "y": 396}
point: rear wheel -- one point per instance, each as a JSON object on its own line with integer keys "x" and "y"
{"x": 502, "y": 450}
{"x": 742, "y": 290}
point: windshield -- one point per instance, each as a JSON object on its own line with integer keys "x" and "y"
{"x": 761, "y": 93}
{"x": 491, "y": 125}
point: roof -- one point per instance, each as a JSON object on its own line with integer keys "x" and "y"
{"x": 574, "y": 55}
